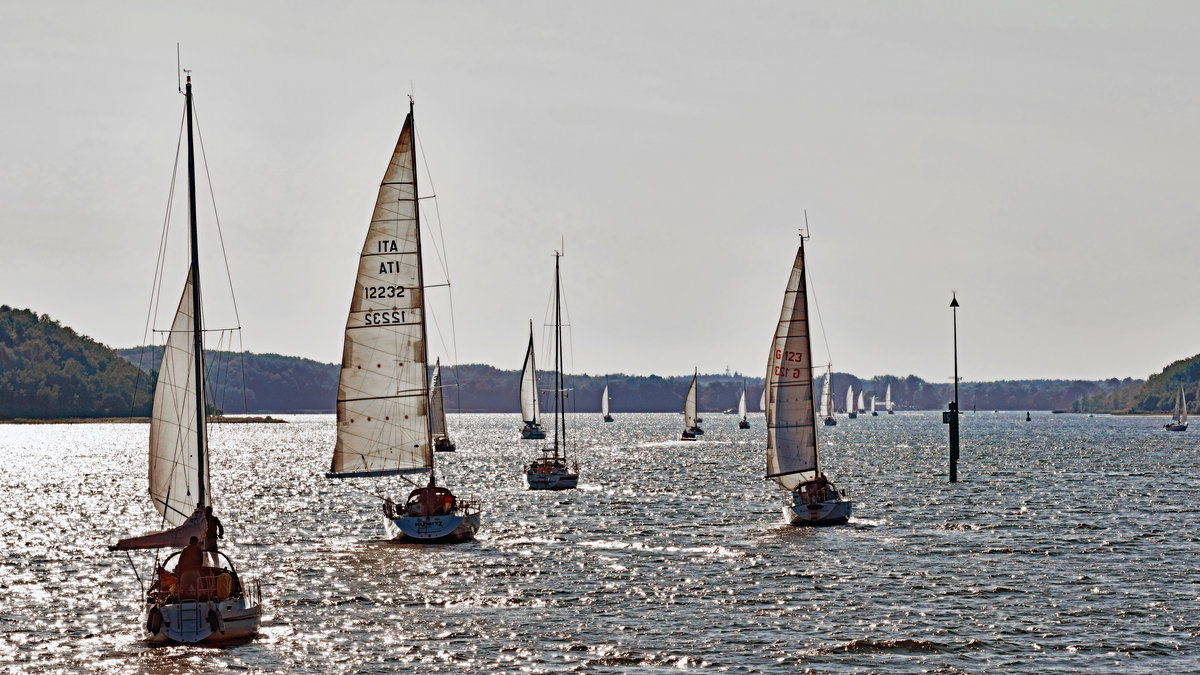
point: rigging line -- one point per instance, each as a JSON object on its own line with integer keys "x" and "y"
{"x": 817, "y": 306}
{"x": 437, "y": 212}
{"x": 216, "y": 217}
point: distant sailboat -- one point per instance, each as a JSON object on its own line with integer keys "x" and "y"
{"x": 743, "y": 423}
{"x": 792, "y": 456}
{"x": 850, "y": 412}
{"x": 550, "y": 471}
{"x": 862, "y": 405}
{"x": 1179, "y": 417}
{"x": 887, "y": 401}
{"x": 202, "y": 599}
{"x": 384, "y": 427}
{"x": 762, "y": 400}
{"x": 604, "y": 403}
{"x": 530, "y": 409}
{"x": 827, "y": 397}
{"x": 437, "y": 412}
{"x": 691, "y": 423}
{"x": 873, "y": 413}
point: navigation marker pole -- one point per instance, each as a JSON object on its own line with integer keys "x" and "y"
{"x": 951, "y": 416}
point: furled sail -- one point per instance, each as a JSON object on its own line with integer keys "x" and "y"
{"x": 530, "y": 411}
{"x": 689, "y": 406}
{"x": 742, "y": 403}
{"x": 383, "y": 396}
{"x": 175, "y": 455}
{"x": 175, "y": 537}
{"x": 791, "y": 432}
{"x": 850, "y": 399}
{"x": 437, "y": 408}
{"x": 604, "y": 402}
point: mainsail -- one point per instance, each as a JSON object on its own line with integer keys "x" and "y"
{"x": 437, "y": 409}
{"x": 887, "y": 400}
{"x": 689, "y": 406}
{"x": 850, "y": 399}
{"x": 861, "y": 402}
{"x": 827, "y": 394}
{"x": 604, "y": 402}
{"x": 530, "y": 411}
{"x": 791, "y": 433}
{"x": 383, "y": 396}
{"x": 742, "y": 403}
{"x": 1179, "y": 416}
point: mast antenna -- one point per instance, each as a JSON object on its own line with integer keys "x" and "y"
{"x": 806, "y": 233}
{"x": 178, "y": 77}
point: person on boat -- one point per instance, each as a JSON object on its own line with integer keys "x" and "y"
{"x": 191, "y": 561}
{"x": 213, "y": 530}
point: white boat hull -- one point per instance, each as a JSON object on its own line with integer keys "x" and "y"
{"x": 433, "y": 529}
{"x": 832, "y": 512}
{"x": 190, "y": 622}
{"x": 537, "y": 480}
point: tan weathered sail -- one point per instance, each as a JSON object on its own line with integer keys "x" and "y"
{"x": 791, "y": 431}
{"x": 383, "y": 396}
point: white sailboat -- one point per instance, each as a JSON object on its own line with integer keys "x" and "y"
{"x": 384, "y": 427}
{"x": 604, "y": 403}
{"x": 437, "y": 412}
{"x": 691, "y": 423}
{"x": 873, "y": 413}
{"x": 862, "y": 405}
{"x": 1179, "y": 416}
{"x": 827, "y": 397}
{"x": 530, "y": 407}
{"x": 550, "y": 471}
{"x": 792, "y": 456}
{"x": 887, "y": 401}
{"x": 762, "y": 400}
{"x": 850, "y": 412}
{"x": 743, "y": 423}
{"x": 201, "y": 598}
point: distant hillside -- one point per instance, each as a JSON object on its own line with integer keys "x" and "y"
{"x": 48, "y": 370}
{"x": 1156, "y": 394}
{"x": 273, "y": 383}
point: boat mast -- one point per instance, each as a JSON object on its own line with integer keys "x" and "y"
{"x": 412, "y": 127}
{"x": 560, "y": 407}
{"x": 197, "y": 328}
{"x": 808, "y": 350}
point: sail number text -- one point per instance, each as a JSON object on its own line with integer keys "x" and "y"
{"x": 375, "y": 292}
{"x": 784, "y": 370}
{"x": 383, "y": 318}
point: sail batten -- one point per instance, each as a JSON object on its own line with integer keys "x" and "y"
{"x": 383, "y": 395}
{"x": 791, "y": 428}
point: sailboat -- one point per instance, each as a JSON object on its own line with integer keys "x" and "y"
{"x": 827, "y": 397}
{"x": 762, "y": 400}
{"x": 384, "y": 426}
{"x": 691, "y": 423}
{"x": 862, "y": 406}
{"x": 437, "y": 412}
{"x": 530, "y": 409}
{"x": 202, "y": 599}
{"x": 550, "y": 472}
{"x": 792, "y": 456}
{"x": 743, "y": 423}
{"x": 1179, "y": 417}
{"x": 604, "y": 403}
{"x": 850, "y": 412}
{"x": 887, "y": 401}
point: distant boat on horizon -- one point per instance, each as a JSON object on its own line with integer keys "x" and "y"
{"x": 550, "y": 471}
{"x": 862, "y": 404}
{"x": 743, "y": 423}
{"x": 887, "y": 401}
{"x": 827, "y": 397}
{"x": 604, "y": 403}
{"x": 691, "y": 423}
{"x": 873, "y": 413}
{"x": 530, "y": 406}
{"x": 850, "y": 412}
{"x": 437, "y": 412}
{"x": 1179, "y": 416}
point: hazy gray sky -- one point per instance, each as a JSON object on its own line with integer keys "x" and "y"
{"x": 1039, "y": 158}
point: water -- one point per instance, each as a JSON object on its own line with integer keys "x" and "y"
{"x": 1068, "y": 545}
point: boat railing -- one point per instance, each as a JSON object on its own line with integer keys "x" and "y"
{"x": 467, "y": 505}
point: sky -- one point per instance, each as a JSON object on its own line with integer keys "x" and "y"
{"x": 1039, "y": 159}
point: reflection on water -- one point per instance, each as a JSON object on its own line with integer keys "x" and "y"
{"x": 1069, "y": 544}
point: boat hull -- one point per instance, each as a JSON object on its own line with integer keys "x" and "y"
{"x": 201, "y": 621}
{"x": 538, "y": 480}
{"x": 743, "y": 424}
{"x": 608, "y": 418}
{"x": 1175, "y": 427}
{"x": 534, "y": 433}
{"x": 432, "y": 529}
{"x": 832, "y": 512}
{"x": 830, "y": 422}
{"x": 852, "y": 416}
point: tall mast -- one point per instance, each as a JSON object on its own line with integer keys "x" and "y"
{"x": 197, "y": 328}
{"x": 808, "y": 349}
{"x": 412, "y": 122}
{"x": 560, "y": 407}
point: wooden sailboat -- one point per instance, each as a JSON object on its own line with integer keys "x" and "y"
{"x": 437, "y": 412}
{"x": 793, "y": 460}
{"x": 604, "y": 403}
{"x": 743, "y": 423}
{"x": 887, "y": 401}
{"x": 200, "y": 598}
{"x": 850, "y": 412}
{"x": 530, "y": 406}
{"x": 827, "y": 397}
{"x": 1179, "y": 416}
{"x": 384, "y": 426}
{"x": 691, "y": 423}
{"x": 550, "y": 471}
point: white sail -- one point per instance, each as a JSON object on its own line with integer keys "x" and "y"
{"x": 604, "y": 402}
{"x": 437, "y": 408}
{"x": 689, "y": 406}
{"x": 826, "y": 395}
{"x": 762, "y": 400}
{"x": 175, "y": 454}
{"x": 1183, "y": 406}
{"x": 383, "y": 396}
{"x": 862, "y": 405}
{"x": 887, "y": 399}
{"x": 742, "y": 403}
{"x": 530, "y": 411}
{"x": 850, "y": 399}
{"x": 872, "y": 405}
{"x": 791, "y": 432}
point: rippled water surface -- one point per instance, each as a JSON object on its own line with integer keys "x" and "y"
{"x": 1070, "y": 543}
